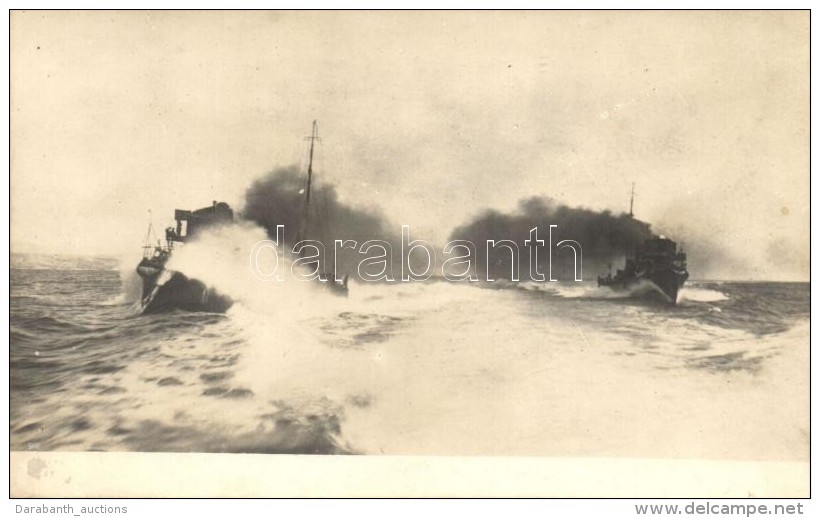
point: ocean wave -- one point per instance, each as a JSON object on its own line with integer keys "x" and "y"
{"x": 393, "y": 368}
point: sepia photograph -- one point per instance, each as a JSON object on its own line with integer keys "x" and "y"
{"x": 291, "y": 236}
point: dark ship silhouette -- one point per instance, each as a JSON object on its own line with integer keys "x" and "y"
{"x": 657, "y": 270}
{"x": 164, "y": 289}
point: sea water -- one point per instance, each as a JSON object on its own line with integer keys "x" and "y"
{"x": 405, "y": 368}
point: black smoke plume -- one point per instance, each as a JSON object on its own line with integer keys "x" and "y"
{"x": 279, "y": 199}
{"x": 604, "y": 237}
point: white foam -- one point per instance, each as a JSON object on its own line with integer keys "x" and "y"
{"x": 694, "y": 294}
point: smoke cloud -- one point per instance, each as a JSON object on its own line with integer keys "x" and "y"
{"x": 604, "y": 237}
{"x": 279, "y": 199}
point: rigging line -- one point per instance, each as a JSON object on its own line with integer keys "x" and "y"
{"x": 150, "y": 230}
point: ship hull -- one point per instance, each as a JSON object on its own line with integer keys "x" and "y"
{"x": 669, "y": 282}
{"x": 167, "y": 290}
{"x": 662, "y": 286}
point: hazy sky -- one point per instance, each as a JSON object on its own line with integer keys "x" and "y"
{"x": 430, "y": 117}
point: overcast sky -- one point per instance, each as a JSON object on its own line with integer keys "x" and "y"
{"x": 429, "y": 117}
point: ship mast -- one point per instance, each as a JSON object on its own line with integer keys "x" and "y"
{"x": 631, "y": 214}
{"x": 314, "y": 136}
